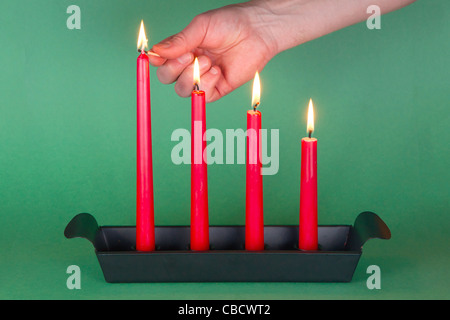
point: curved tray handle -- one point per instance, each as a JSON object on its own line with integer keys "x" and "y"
{"x": 84, "y": 226}
{"x": 367, "y": 226}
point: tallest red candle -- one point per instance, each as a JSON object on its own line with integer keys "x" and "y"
{"x": 145, "y": 233}
{"x": 308, "y": 231}
{"x": 199, "y": 173}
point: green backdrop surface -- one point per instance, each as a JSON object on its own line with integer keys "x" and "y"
{"x": 67, "y": 139}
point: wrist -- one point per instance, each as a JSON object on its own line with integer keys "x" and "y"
{"x": 293, "y": 22}
{"x": 281, "y": 21}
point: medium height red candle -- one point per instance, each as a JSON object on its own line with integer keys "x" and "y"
{"x": 254, "y": 217}
{"x": 308, "y": 189}
{"x": 199, "y": 174}
{"x": 145, "y": 229}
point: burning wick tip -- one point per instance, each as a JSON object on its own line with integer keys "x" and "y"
{"x": 255, "y": 106}
{"x": 149, "y": 53}
{"x": 309, "y": 133}
{"x": 196, "y": 87}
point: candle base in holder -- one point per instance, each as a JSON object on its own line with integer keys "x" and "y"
{"x": 335, "y": 261}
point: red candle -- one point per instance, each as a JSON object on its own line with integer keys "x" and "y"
{"x": 199, "y": 174}
{"x": 145, "y": 229}
{"x": 254, "y": 220}
{"x": 308, "y": 189}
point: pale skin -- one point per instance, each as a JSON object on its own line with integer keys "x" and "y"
{"x": 235, "y": 41}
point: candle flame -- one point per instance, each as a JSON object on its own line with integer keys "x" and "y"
{"x": 310, "y": 124}
{"x": 142, "y": 40}
{"x": 256, "y": 96}
{"x": 196, "y": 72}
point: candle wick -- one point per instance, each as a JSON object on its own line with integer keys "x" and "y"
{"x": 196, "y": 87}
{"x": 255, "y": 106}
{"x": 309, "y": 134}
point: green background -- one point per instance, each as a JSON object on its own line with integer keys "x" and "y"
{"x": 67, "y": 138}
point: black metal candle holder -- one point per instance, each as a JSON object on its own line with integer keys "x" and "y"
{"x": 227, "y": 261}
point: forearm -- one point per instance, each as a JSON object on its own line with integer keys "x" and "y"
{"x": 293, "y": 22}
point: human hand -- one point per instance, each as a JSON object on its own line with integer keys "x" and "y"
{"x": 231, "y": 44}
{"x": 235, "y": 41}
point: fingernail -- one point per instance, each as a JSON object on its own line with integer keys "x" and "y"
{"x": 214, "y": 70}
{"x": 203, "y": 63}
{"x": 185, "y": 58}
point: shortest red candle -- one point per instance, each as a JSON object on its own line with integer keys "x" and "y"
{"x": 308, "y": 189}
{"x": 254, "y": 217}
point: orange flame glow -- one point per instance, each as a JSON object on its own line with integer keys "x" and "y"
{"x": 142, "y": 40}
{"x": 196, "y": 72}
{"x": 256, "y": 96}
{"x": 310, "y": 124}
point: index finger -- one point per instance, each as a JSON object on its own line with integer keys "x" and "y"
{"x": 155, "y": 60}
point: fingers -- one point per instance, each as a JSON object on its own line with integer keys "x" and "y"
{"x": 209, "y": 79}
{"x": 176, "y": 60}
{"x": 185, "y": 41}
{"x": 175, "y": 63}
{"x": 176, "y": 51}
{"x": 170, "y": 70}
{"x": 209, "y": 82}
{"x": 156, "y": 61}
{"x": 181, "y": 70}
{"x": 185, "y": 81}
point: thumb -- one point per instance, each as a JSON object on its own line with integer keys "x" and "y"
{"x": 185, "y": 41}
